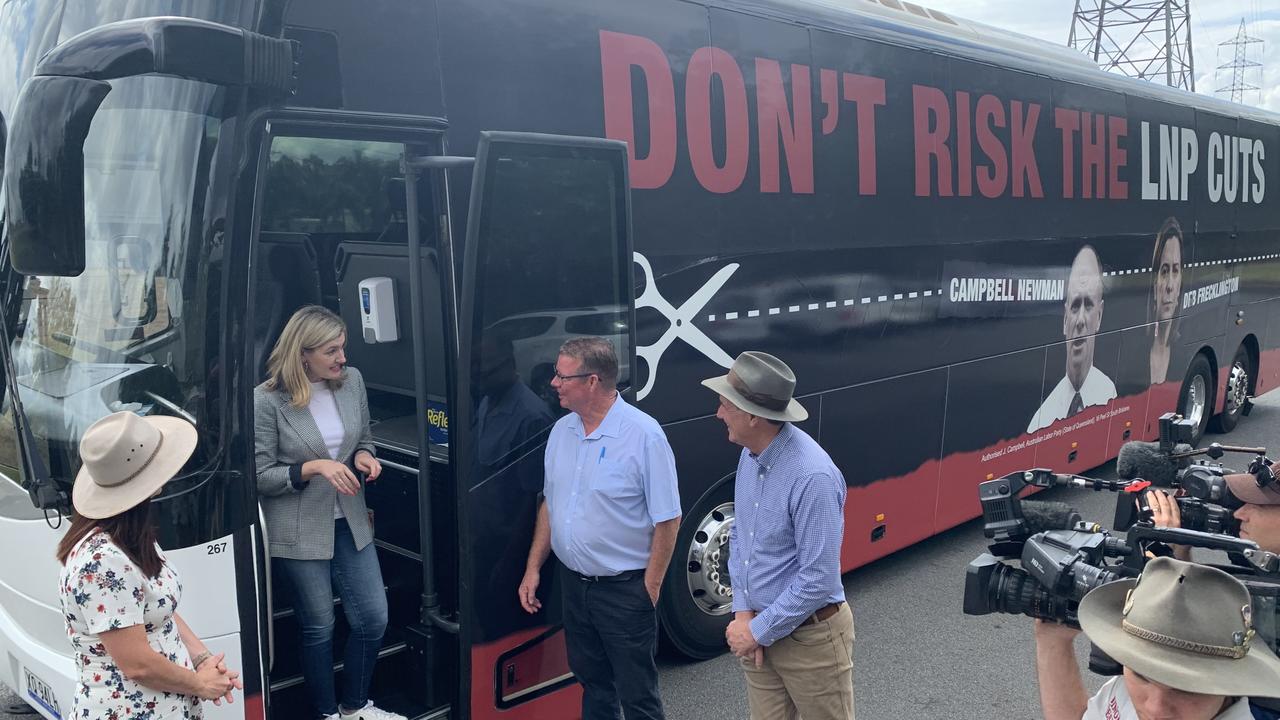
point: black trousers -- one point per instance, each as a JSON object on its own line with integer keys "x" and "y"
{"x": 611, "y": 631}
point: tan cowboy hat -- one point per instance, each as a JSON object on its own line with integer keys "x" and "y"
{"x": 762, "y": 385}
{"x": 1183, "y": 625}
{"x": 127, "y": 458}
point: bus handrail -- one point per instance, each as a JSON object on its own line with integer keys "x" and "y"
{"x": 271, "y": 622}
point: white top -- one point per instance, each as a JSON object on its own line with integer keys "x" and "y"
{"x": 324, "y": 410}
{"x": 1096, "y": 390}
{"x": 1112, "y": 703}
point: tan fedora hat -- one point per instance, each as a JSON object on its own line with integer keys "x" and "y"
{"x": 1183, "y": 625}
{"x": 127, "y": 458}
{"x": 1246, "y": 488}
{"x": 762, "y": 385}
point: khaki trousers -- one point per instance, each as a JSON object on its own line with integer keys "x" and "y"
{"x": 808, "y": 674}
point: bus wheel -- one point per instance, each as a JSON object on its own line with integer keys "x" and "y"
{"x": 1195, "y": 400}
{"x": 697, "y": 600}
{"x": 1235, "y": 394}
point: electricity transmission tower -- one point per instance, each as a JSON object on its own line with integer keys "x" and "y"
{"x": 1239, "y": 65}
{"x": 1148, "y": 39}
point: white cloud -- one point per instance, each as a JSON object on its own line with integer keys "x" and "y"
{"x": 1211, "y": 23}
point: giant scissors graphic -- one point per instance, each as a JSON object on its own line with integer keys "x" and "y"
{"x": 681, "y": 320}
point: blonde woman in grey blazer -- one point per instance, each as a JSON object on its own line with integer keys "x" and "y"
{"x": 311, "y": 423}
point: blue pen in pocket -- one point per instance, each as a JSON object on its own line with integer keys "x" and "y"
{"x": 601, "y": 458}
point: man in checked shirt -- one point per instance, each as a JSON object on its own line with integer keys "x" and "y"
{"x": 791, "y": 627}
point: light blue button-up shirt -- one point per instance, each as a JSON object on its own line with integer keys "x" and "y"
{"x": 606, "y": 491}
{"x": 784, "y": 547}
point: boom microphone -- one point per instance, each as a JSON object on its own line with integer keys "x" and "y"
{"x": 1146, "y": 461}
{"x": 1042, "y": 515}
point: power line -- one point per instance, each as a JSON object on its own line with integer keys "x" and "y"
{"x": 1240, "y": 65}
{"x": 1148, "y": 39}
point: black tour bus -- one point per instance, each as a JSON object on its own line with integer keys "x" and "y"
{"x": 978, "y": 252}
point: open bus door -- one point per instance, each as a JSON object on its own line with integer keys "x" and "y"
{"x": 547, "y": 257}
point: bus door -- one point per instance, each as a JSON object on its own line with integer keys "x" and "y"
{"x": 547, "y": 257}
{"x": 338, "y": 224}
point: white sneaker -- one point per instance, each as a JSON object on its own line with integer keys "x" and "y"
{"x": 370, "y": 712}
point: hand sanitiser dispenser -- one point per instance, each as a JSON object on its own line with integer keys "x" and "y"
{"x": 378, "y": 310}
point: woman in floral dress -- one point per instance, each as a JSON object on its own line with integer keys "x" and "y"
{"x": 136, "y": 657}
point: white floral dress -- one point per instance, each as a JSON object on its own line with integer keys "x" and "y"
{"x": 102, "y": 590}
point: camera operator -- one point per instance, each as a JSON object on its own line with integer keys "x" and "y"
{"x": 1184, "y": 635}
{"x": 1260, "y": 515}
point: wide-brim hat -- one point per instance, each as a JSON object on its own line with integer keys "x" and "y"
{"x": 1245, "y": 487}
{"x": 762, "y": 385}
{"x": 1183, "y": 625}
{"x": 127, "y": 458}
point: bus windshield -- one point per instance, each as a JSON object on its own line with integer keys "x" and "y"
{"x": 129, "y": 333}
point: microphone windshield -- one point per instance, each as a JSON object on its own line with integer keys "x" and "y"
{"x": 1042, "y": 515}
{"x": 1145, "y": 461}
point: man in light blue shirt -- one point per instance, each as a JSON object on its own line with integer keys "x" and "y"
{"x": 791, "y": 627}
{"x": 611, "y": 514}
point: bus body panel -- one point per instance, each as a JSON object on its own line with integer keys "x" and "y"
{"x": 921, "y": 392}
{"x": 33, "y": 634}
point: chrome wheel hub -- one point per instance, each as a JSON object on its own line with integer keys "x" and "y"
{"x": 1197, "y": 398}
{"x": 708, "y": 562}
{"x": 1237, "y": 389}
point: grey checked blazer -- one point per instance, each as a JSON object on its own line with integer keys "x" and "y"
{"x": 300, "y": 522}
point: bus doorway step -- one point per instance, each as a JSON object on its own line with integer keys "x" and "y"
{"x": 423, "y": 643}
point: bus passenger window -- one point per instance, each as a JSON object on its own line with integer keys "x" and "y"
{"x": 548, "y": 270}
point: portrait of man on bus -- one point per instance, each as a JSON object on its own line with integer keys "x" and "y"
{"x": 1083, "y": 385}
{"x": 1165, "y": 300}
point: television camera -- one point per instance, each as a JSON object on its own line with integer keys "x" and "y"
{"x": 1205, "y": 501}
{"x": 1058, "y": 567}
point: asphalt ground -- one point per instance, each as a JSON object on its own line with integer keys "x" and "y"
{"x": 916, "y": 654}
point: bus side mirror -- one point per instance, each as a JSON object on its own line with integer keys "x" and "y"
{"x": 44, "y": 174}
{"x": 44, "y": 178}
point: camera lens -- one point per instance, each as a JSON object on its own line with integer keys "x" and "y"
{"x": 992, "y": 586}
{"x": 1207, "y": 517}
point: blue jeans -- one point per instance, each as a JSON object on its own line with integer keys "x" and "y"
{"x": 358, "y": 579}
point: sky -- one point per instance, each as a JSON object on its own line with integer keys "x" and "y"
{"x": 1212, "y": 21}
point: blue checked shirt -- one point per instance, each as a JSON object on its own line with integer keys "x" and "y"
{"x": 784, "y": 547}
{"x": 606, "y": 491}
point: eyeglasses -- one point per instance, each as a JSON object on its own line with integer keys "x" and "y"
{"x": 562, "y": 378}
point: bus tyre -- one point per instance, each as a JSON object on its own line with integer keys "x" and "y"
{"x": 1195, "y": 400}
{"x": 697, "y": 601}
{"x": 1235, "y": 393}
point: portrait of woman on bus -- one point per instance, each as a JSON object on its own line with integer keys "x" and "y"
{"x": 311, "y": 429}
{"x": 1166, "y": 297}
{"x": 135, "y": 655}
